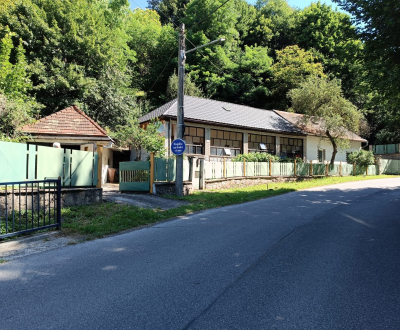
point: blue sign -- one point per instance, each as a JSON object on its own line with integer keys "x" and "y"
{"x": 178, "y": 147}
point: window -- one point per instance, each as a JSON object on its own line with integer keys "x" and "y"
{"x": 321, "y": 155}
{"x": 194, "y": 138}
{"x": 225, "y": 143}
{"x": 262, "y": 143}
{"x": 291, "y": 148}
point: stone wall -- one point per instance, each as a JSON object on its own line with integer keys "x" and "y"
{"x": 168, "y": 188}
{"x": 25, "y": 198}
{"x": 239, "y": 182}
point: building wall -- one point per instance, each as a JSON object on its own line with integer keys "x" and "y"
{"x": 315, "y": 143}
{"x": 245, "y": 136}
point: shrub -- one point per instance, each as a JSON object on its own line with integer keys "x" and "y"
{"x": 362, "y": 158}
{"x": 256, "y": 157}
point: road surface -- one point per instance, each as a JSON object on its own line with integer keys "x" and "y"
{"x": 324, "y": 258}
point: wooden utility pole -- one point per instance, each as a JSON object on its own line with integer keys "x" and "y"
{"x": 180, "y": 112}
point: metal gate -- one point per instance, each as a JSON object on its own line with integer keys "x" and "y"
{"x": 134, "y": 176}
{"x": 29, "y": 206}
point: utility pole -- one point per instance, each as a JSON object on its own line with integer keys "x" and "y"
{"x": 181, "y": 94}
{"x": 180, "y": 112}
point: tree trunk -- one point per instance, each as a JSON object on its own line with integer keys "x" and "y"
{"x": 334, "y": 145}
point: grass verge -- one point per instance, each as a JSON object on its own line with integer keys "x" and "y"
{"x": 101, "y": 219}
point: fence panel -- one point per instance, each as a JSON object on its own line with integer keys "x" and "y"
{"x": 238, "y": 169}
{"x": 50, "y": 163}
{"x": 319, "y": 169}
{"x": 276, "y": 169}
{"x": 13, "y": 161}
{"x": 391, "y": 148}
{"x": 186, "y": 169}
{"x": 250, "y": 168}
{"x": 379, "y": 149}
{"x": 303, "y": 169}
{"x": 82, "y": 168}
{"x": 347, "y": 169}
{"x": 286, "y": 169}
{"x": 230, "y": 169}
{"x": 29, "y": 206}
{"x": 134, "y": 176}
{"x": 390, "y": 166}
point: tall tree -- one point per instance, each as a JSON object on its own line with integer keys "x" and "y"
{"x": 322, "y": 103}
{"x": 293, "y": 65}
{"x": 378, "y": 25}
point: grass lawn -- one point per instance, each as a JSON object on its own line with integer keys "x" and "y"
{"x": 101, "y": 219}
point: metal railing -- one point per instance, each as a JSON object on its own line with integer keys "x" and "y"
{"x": 29, "y": 206}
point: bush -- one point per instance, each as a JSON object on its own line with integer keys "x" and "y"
{"x": 362, "y": 158}
{"x": 256, "y": 157}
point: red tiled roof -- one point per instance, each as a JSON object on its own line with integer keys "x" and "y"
{"x": 70, "y": 121}
{"x": 312, "y": 127}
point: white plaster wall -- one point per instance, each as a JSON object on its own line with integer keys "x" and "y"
{"x": 314, "y": 143}
{"x": 89, "y": 147}
{"x": 107, "y": 161}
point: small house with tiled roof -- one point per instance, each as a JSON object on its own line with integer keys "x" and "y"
{"x": 215, "y": 130}
{"x": 73, "y": 129}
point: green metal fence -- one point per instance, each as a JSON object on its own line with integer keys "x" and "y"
{"x": 21, "y": 162}
{"x": 381, "y": 149}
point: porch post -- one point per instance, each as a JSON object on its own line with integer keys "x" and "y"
{"x": 100, "y": 167}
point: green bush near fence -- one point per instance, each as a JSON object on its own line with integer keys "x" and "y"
{"x": 256, "y": 157}
{"x": 362, "y": 158}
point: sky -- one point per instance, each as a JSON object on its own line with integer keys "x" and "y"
{"x": 294, "y": 3}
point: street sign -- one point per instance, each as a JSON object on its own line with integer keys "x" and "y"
{"x": 178, "y": 147}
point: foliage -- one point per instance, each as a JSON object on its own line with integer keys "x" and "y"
{"x": 323, "y": 105}
{"x": 378, "y": 23}
{"x": 190, "y": 87}
{"x": 292, "y": 66}
{"x": 362, "y": 158}
{"x": 132, "y": 135}
{"x": 256, "y": 157}
{"x": 16, "y": 107}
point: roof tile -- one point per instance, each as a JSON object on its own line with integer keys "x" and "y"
{"x": 69, "y": 121}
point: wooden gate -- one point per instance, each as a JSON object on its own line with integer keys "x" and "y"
{"x": 134, "y": 176}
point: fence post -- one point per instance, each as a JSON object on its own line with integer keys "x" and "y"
{"x": 366, "y": 171}
{"x": 202, "y": 175}
{"x": 270, "y": 167}
{"x": 327, "y": 169}
{"x": 224, "y": 175}
{"x": 295, "y": 168}
{"x": 58, "y": 202}
{"x": 152, "y": 168}
{"x": 244, "y": 166}
{"x": 311, "y": 169}
{"x": 340, "y": 169}
{"x": 354, "y": 169}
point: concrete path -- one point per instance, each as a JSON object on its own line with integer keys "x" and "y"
{"x": 324, "y": 258}
{"x": 145, "y": 200}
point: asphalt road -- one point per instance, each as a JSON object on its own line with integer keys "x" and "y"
{"x": 325, "y": 258}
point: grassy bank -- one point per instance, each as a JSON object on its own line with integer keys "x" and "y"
{"x": 98, "y": 220}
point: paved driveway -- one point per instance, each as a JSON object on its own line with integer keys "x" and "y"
{"x": 325, "y": 258}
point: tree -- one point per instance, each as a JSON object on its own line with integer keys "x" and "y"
{"x": 378, "y": 24}
{"x": 322, "y": 103}
{"x": 190, "y": 87}
{"x": 333, "y": 36}
{"x": 362, "y": 158}
{"x": 132, "y": 135}
{"x": 292, "y": 66}
{"x": 16, "y": 107}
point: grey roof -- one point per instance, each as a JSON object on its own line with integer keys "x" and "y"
{"x": 225, "y": 113}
